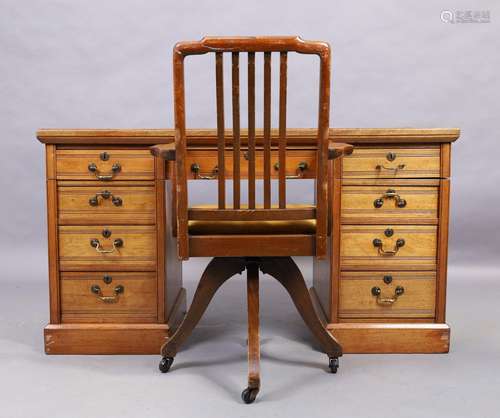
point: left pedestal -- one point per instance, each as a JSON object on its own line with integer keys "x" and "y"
{"x": 109, "y": 246}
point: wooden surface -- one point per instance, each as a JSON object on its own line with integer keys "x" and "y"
{"x": 207, "y": 160}
{"x": 395, "y": 334}
{"x": 358, "y": 205}
{"x": 131, "y": 207}
{"x": 417, "y": 301}
{"x": 409, "y": 338}
{"x": 249, "y": 46}
{"x": 80, "y": 304}
{"x": 415, "y": 162}
{"x": 415, "y": 322}
{"x": 138, "y": 251}
{"x": 204, "y": 137}
{"x": 105, "y": 338}
{"x": 253, "y": 307}
{"x": 72, "y": 164}
{"x": 252, "y": 245}
{"x": 137, "y": 204}
{"x": 357, "y": 251}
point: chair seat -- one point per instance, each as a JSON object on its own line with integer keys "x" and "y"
{"x": 202, "y": 227}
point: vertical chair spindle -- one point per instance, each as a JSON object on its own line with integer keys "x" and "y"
{"x": 282, "y": 131}
{"x": 219, "y": 82}
{"x": 251, "y": 130}
{"x": 236, "y": 129}
{"x": 267, "y": 130}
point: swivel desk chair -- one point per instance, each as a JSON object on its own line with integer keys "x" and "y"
{"x": 249, "y": 237}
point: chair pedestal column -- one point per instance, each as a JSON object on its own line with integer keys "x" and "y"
{"x": 250, "y": 393}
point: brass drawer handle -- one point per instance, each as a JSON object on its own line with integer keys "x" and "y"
{"x": 390, "y": 194}
{"x": 105, "y": 194}
{"x": 115, "y": 169}
{"x": 96, "y": 289}
{"x": 301, "y": 168}
{"x": 195, "y": 169}
{"x": 387, "y": 301}
{"x": 117, "y": 243}
{"x": 395, "y": 169}
{"x": 380, "y": 246}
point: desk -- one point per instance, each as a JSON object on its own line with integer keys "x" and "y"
{"x": 381, "y": 290}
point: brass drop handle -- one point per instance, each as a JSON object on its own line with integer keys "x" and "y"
{"x": 390, "y": 194}
{"x": 117, "y": 243}
{"x": 380, "y": 167}
{"x": 105, "y": 194}
{"x": 301, "y": 168}
{"x": 195, "y": 169}
{"x": 380, "y": 246}
{"x": 390, "y": 300}
{"x": 118, "y": 290}
{"x": 115, "y": 169}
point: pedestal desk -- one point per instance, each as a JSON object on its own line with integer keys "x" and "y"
{"x": 381, "y": 290}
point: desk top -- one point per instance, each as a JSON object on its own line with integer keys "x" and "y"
{"x": 207, "y": 137}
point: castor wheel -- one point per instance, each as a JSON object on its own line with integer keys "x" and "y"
{"x": 249, "y": 395}
{"x": 165, "y": 364}
{"x": 334, "y": 364}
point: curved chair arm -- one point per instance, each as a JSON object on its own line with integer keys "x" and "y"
{"x": 337, "y": 149}
{"x": 165, "y": 151}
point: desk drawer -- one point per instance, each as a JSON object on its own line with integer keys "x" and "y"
{"x": 391, "y": 247}
{"x": 108, "y": 297}
{"x": 114, "y": 248}
{"x": 104, "y": 165}
{"x": 106, "y": 204}
{"x": 392, "y": 162}
{"x": 379, "y": 204}
{"x": 387, "y": 294}
{"x": 206, "y": 160}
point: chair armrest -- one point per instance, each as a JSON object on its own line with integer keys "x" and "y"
{"x": 165, "y": 151}
{"x": 337, "y": 149}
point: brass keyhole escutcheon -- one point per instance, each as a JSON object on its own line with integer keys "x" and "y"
{"x": 389, "y": 232}
{"x": 104, "y": 156}
{"x": 106, "y": 233}
{"x": 391, "y": 156}
{"x": 107, "y": 279}
{"x": 387, "y": 279}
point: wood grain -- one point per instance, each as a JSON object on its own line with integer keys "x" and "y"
{"x": 207, "y": 161}
{"x": 358, "y": 205}
{"x": 138, "y": 298}
{"x": 138, "y": 251}
{"x": 203, "y": 137}
{"x": 357, "y": 251}
{"x": 267, "y": 131}
{"x": 251, "y": 245}
{"x": 417, "y": 301}
{"x": 416, "y": 162}
{"x": 392, "y": 338}
{"x": 72, "y": 164}
{"x": 138, "y": 205}
{"x": 105, "y": 338}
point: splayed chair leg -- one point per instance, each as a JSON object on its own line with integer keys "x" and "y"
{"x": 288, "y": 274}
{"x": 217, "y": 272}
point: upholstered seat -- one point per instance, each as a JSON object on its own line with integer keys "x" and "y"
{"x": 261, "y": 227}
{"x": 303, "y": 226}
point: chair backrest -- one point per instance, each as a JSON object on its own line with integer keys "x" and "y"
{"x": 251, "y": 45}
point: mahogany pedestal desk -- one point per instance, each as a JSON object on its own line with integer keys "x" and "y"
{"x": 382, "y": 288}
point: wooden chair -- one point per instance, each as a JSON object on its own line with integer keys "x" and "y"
{"x": 249, "y": 237}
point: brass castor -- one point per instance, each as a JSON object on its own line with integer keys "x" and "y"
{"x": 165, "y": 364}
{"x": 249, "y": 395}
{"x": 333, "y": 364}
